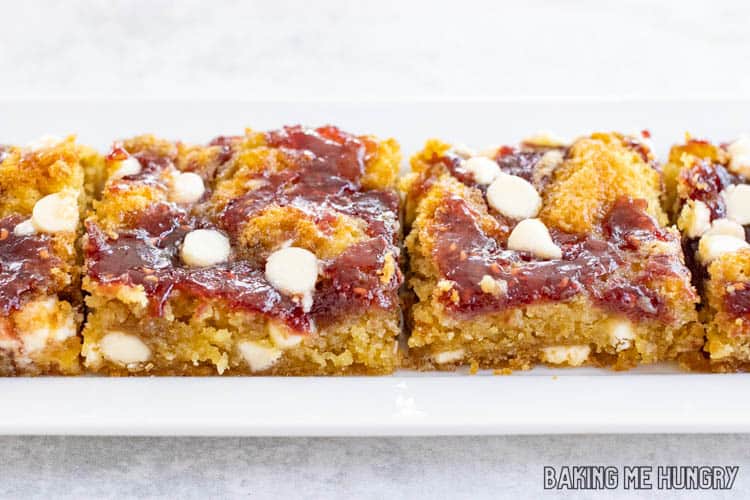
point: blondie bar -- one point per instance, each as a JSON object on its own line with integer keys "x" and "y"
{"x": 268, "y": 253}
{"x": 709, "y": 197}
{"x": 544, "y": 252}
{"x": 41, "y": 197}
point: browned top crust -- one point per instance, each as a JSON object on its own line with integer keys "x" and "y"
{"x": 600, "y": 201}
{"x": 36, "y": 264}
{"x": 322, "y": 189}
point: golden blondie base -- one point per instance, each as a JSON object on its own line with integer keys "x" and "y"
{"x": 571, "y": 334}
{"x": 596, "y": 278}
{"x": 265, "y": 254}
{"x": 727, "y": 332}
{"x": 44, "y": 341}
{"x": 208, "y": 339}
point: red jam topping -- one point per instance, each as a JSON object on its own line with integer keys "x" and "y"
{"x": 521, "y": 163}
{"x": 26, "y": 263}
{"x": 148, "y": 255}
{"x": 327, "y": 166}
{"x": 117, "y": 153}
{"x": 706, "y": 181}
{"x": 609, "y": 270}
{"x": 639, "y": 146}
{"x": 227, "y": 145}
{"x": 737, "y": 301}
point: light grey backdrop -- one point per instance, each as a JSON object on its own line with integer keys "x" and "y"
{"x": 377, "y": 468}
{"x": 360, "y": 50}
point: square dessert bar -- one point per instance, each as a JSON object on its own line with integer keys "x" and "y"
{"x": 41, "y": 197}
{"x": 544, "y": 252}
{"x": 268, "y": 253}
{"x": 709, "y": 197}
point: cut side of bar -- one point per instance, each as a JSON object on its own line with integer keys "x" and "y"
{"x": 41, "y": 199}
{"x": 709, "y": 198}
{"x": 545, "y": 252}
{"x": 269, "y": 253}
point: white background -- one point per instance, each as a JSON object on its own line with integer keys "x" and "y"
{"x": 281, "y": 49}
{"x": 360, "y": 51}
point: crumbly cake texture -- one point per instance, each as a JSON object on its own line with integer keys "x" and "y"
{"x": 269, "y": 253}
{"x": 709, "y": 199}
{"x": 544, "y": 252}
{"x": 41, "y": 199}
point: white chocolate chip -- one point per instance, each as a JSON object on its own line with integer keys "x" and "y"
{"x": 711, "y": 247}
{"x": 126, "y": 167}
{"x": 56, "y": 213}
{"x": 531, "y": 235}
{"x": 257, "y": 356}
{"x": 448, "y": 356}
{"x": 46, "y": 325}
{"x": 739, "y": 152}
{"x": 695, "y": 219}
{"x": 11, "y": 345}
{"x": 293, "y": 271}
{"x": 35, "y": 340}
{"x": 484, "y": 170}
{"x": 205, "y": 247}
{"x": 64, "y": 330}
{"x": 514, "y": 197}
{"x": 46, "y": 141}
{"x": 621, "y": 335}
{"x": 282, "y": 337}
{"x": 737, "y": 198}
{"x": 124, "y": 349}
{"x": 573, "y": 355}
{"x": 24, "y": 228}
{"x": 187, "y": 187}
{"x": 727, "y": 227}
{"x": 546, "y": 139}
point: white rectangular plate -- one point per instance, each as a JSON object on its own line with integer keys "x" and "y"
{"x": 542, "y": 401}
